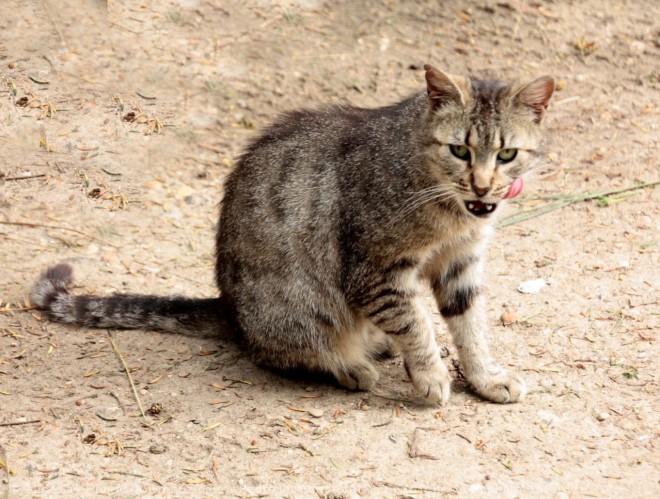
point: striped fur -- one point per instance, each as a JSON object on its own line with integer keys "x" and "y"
{"x": 334, "y": 225}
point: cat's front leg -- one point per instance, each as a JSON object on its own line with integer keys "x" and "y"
{"x": 462, "y": 305}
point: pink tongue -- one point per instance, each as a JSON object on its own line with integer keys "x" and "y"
{"x": 515, "y": 188}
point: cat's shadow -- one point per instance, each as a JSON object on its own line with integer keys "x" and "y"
{"x": 391, "y": 387}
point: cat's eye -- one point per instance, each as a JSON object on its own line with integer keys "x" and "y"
{"x": 460, "y": 151}
{"x": 506, "y": 155}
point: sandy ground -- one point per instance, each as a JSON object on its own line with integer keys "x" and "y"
{"x": 118, "y": 123}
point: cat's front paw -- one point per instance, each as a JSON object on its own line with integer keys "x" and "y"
{"x": 502, "y": 387}
{"x": 433, "y": 382}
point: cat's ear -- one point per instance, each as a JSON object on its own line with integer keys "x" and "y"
{"x": 442, "y": 88}
{"x": 535, "y": 96}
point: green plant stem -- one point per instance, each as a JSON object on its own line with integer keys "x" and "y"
{"x": 568, "y": 200}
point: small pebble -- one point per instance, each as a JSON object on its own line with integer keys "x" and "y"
{"x": 184, "y": 191}
{"x": 157, "y": 449}
{"x": 475, "y": 487}
{"x": 602, "y": 416}
{"x": 315, "y": 413}
{"x": 40, "y": 77}
{"x": 508, "y": 318}
{"x": 532, "y": 287}
{"x": 108, "y": 413}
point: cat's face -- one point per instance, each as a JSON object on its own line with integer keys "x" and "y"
{"x": 483, "y": 137}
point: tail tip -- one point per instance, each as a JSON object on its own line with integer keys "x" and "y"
{"x": 55, "y": 280}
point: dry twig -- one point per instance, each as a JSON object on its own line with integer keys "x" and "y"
{"x": 18, "y": 423}
{"x": 128, "y": 373}
{"x": 25, "y": 177}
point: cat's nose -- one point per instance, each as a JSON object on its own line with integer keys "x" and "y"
{"x": 480, "y": 191}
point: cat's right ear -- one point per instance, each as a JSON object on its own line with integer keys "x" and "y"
{"x": 442, "y": 89}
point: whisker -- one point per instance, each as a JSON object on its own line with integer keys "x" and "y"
{"x": 424, "y": 196}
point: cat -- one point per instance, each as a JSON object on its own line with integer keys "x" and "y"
{"x": 334, "y": 224}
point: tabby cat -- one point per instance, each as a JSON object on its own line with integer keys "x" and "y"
{"x": 336, "y": 222}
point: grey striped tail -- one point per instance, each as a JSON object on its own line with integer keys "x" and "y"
{"x": 173, "y": 314}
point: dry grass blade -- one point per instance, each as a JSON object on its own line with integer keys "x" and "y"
{"x": 58, "y": 227}
{"x": 44, "y": 6}
{"x": 409, "y": 487}
{"x": 7, "y": 309}
{"x": 567, "y": 200}
{"x": 128, "y": 373}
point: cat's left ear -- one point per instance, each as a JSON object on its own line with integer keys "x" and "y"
{"x": 535, "y": 96}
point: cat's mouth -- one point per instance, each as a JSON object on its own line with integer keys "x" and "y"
{"x": 479, "y": 208}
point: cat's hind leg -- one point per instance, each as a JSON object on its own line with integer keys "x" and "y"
{"x": 352, "y": 363}
{"x": 357, "y": 376}
{"x": 381, "y": 345}
{"x": 313, "y": 342}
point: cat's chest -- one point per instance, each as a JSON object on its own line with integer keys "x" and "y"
{"x": 452, "y": 236}
{"x": 460, "y": 246}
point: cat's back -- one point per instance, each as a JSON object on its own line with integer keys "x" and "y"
{"x": 285, "y": 201}
{"x": 308, "y": 153}
{"x": 315, "y": 139}
{"x": 292, "y": 163}
{"x": 280, "y": 202}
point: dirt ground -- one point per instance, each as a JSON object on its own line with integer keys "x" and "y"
{"x": 118, "y": 123}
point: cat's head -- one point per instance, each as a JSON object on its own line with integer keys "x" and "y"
{"x": 483, "y": 137}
